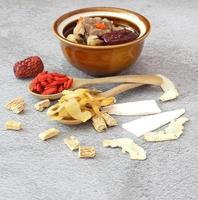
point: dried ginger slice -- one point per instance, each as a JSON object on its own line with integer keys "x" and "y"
{"x": 62, "y": 113}
{"x": 80, "y": 104}
{"x": 170, "y": 91}
{"x": 172, "y": 132}
{"x": 73, "y": 108}
{"x": 108, "y": 101}
{"x": 67, "y": 94}
{"x": 136, "y": 152}
{"x": 58, "y": 112}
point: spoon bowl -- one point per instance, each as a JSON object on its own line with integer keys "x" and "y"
{"x": 71, "y": 122}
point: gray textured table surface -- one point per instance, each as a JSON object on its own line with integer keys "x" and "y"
{"x": 32, "y": 169}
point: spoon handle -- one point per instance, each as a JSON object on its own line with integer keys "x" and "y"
{"x": 120, "y": 89}
{"x": 142, "y": 79}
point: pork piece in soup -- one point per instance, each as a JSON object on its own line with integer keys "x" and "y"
{"x": 96, "y": 31}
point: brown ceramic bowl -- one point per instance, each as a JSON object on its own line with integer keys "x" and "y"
{"x": 102, "y": 60}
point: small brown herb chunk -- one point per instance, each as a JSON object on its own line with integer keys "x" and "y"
{"x": 16, "y": 105}
{"x": 52, "y": 132}
{"x": 41, "y": 105}
{"x": 72, "y": 143}
{"x": 99, "y": 123}
{"x": 87, "y": 152}
{"x": 13, "y": 125}
{"x": 110, "y": 121}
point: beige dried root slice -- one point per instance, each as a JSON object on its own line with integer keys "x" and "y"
{"x": 41, "y": 105}
{"x": 58, "y": 112}
{"x": 172, "y": 132}
{"x": 52, "y": 132}
{"x": 73, "y": 108}
{"x": 170, "y": 91}
{"x": 99, "y": 123}
{"x": 13, "y": 125}
{"x": 110, "y": 121}
{"x": 136, "y": 152}
{"x": 72, "y": 143}
{"x": 16, "y": 105}
{"x": 86, "y": 152}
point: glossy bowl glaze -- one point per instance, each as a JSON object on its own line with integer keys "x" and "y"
{"x": 102, "y": 60}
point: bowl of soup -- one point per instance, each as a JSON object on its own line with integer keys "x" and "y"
{"x": 101, "y": 41}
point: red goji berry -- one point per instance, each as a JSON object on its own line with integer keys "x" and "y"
{"x": 53, "y": 83}
{"x": 61, "y": 88}
{"x": 69, "y": 83}
{"x": 39, "y": 88}
{"x": 50, "y": 76}
{"x": 60, "y": 78}
{"x": 35, "y": 80}
{"x": 65, "y": 84}
{"x": 49, "y": 80}
{"x": 61, "y": 81}
{"x": 49, "y": 83}
{"x": 51, "y": 90}
{"x": 43, "y": 77}
{"x": 41, "y": 74}
{"x": 57, "y": 74}
{"x": 44, "y": 83}
{"x": 34, "y": 87}
{"x": 101, "y": 26}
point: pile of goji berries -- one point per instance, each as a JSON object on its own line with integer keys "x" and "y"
{"x": 51, "y": 83}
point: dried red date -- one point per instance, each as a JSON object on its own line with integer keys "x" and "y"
{"x": 119, "y": 37}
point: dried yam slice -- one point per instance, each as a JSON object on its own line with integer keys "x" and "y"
{"x": 172, "y": 132}
{"x": 136, "y": 152}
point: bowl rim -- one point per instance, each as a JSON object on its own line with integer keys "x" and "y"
{"x": 115, "y": 9}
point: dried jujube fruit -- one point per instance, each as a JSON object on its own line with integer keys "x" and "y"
{"x": 29, "y": 67}
{"x": 119, "y": 37}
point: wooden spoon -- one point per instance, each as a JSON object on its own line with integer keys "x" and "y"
{"x": 78, "y": 83}
{"x": 109, "y": 93}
